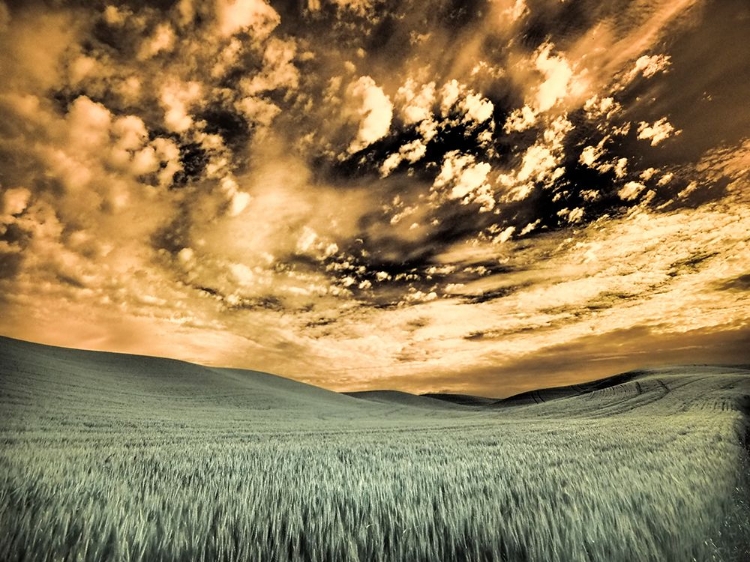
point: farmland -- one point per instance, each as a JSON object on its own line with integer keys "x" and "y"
{"x": 114, "y": 457}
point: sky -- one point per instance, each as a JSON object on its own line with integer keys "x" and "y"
{"x": 471, "y": 196}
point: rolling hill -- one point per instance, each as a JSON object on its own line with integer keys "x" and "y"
{"x": 122, "y": 457}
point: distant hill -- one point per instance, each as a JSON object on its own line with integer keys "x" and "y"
{"x": 38, "y": 381}
{"x": 403, "y": 398}
{"x": 461, "y": 399}
{"x": 41, "y": 386}
{"x": 555, "y": 393}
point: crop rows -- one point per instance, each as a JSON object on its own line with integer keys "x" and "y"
{"x": 575, "y": 490}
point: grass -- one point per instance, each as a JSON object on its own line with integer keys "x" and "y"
{"x": 157, "y": 465}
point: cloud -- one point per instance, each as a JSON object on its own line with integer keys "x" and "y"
{"x": 557, "y": 78}
{"x": 30, "y": 65}
{"x": 279, "y": 71}
{"x": 539, "y": 163}
{"x": 473, "y": 107}
{"x": 4, "y": 17}
{"x": 162, "y": 40}
{"x": 393, "y": 193}
{"x": 477, "y": 108}
{"x": 467, "y": 180}
{"x": 631, "y": 190}
{"x": 374, "y": 109}
{"x": 518, "y": 10}
{"x": 520, "y": 120}
{"x": 14, "y": 201}
{"x": 415, "y": 101}
{"x": 590, "y": 154}
{"x": 410, "y": 152}
{"x": 657, "y": 132}
{"x": 176, "y": 98}
{"x": 648, "y": 66}
{"x": 254, "y": 16}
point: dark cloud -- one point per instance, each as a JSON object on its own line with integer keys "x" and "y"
{"x": 10, "y": 264}
{"x": 706, "y": 85}
{"x": 690, "y": 264}
{"x": 740, "y": 283}
{"x": 599, "y": 355}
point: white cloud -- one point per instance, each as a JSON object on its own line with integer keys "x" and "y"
{"x": 630, "y": 190}
{"x": 360, "y": 7}
{"x": 162, "y": 40}
{"x": 144, "y": 162}
{"x": 650, "y": 65}
{"x": 539, "y": 164}
{"x": 473, "y": 106}
{"x": 590, "y": 154}
{"x": 601, "y": 108}
{"x": 516, "y": 11}
{"x": 450, "y": 93}
{"x": 130, "y": 132}
{"x": 307, "y": 240}
{"x": 14, "y": 201}
{"x": 665, "y": 179}
{"x": 186, "y": 12}
{"x": 82, "y": 68}
{"x": 657, "y": 133}
{"x": 239, "y": 202}
{"x": 227, "y": 57}
{"x": 576, "y": 215}
{"x": 477, "y": 108}
{"x": 589, "y": 195}
{"x": 129, "y": 151}
{"x": 278, "y": 69}
{"x": 114, "y": 16}
{"x": 530, "y": 227}
{"x": 416, "y": 102}
{"x": 254, "y": 16}
{"x": 557, "y": 78}
{"x": 409, "y": 152}
{"x": 466, "y": 178}
{"x": 505, "y": 235}
{"x": 169, "y": 155}
{"x": 176, "y": 98}
{"x": 186, "y": 255}
{"x": 382, "y": 276}
{"x": 690, "y": 188}
{"x": 375, "y": 111}
{"x": 89, "y": 124}
{"x": 258, "y": 110}
{"x": 621, "y": 167}
{"x": 520, "y": 119}
{"x": 420, "y": 296}
{"x": 242, "y": 274}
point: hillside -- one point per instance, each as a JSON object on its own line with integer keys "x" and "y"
{"x": 121, "y": 457}
{"x": 47, "y": 385}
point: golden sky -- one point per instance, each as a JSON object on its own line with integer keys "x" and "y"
{"x": 436, "y": 195}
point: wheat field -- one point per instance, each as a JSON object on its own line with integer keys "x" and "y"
{"x": 110, "y": 457}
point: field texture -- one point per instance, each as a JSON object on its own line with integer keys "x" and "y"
{"x": 111, "y": 457}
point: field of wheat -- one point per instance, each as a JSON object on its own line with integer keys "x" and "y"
{"x": 109, "y": 457}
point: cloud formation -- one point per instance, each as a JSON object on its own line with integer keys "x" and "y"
{"x": 368, "y": 194}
